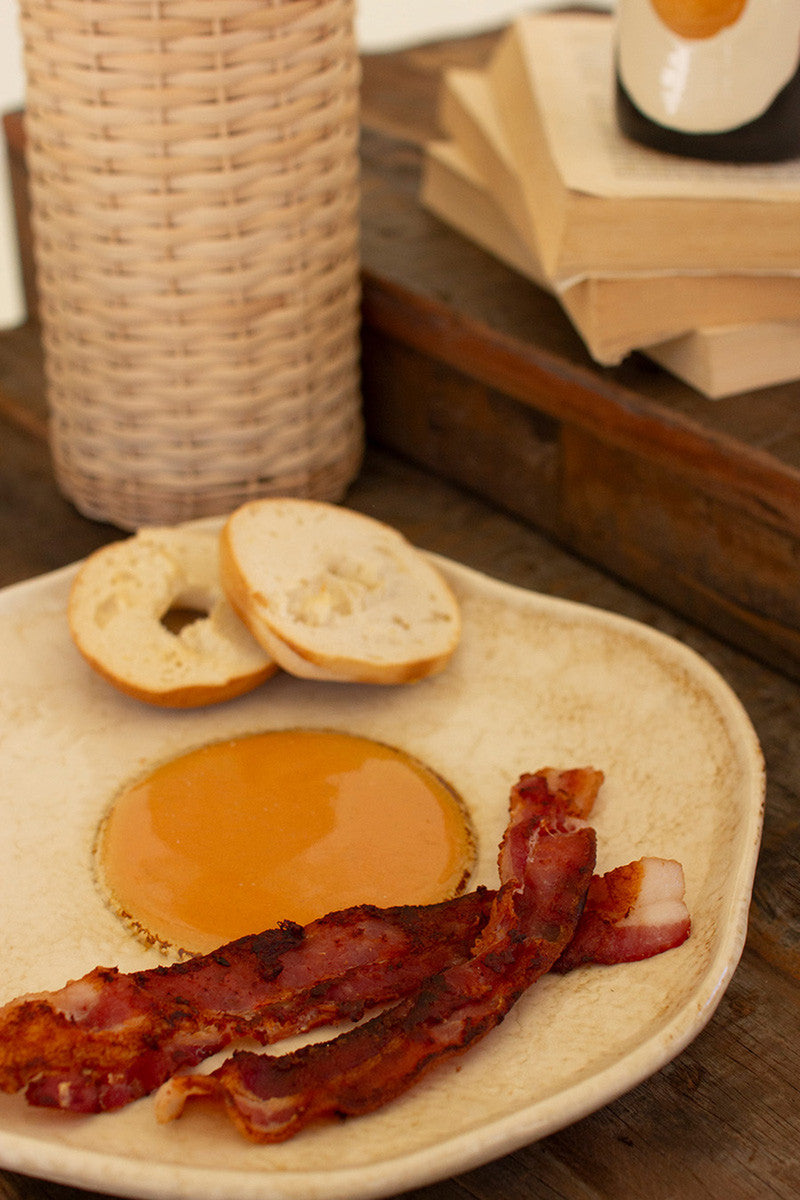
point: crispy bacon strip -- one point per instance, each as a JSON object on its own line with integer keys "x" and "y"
{"x": 109, "y": 1038}
{"x": 531, "y": 920}
{"x": 558, "y": 796}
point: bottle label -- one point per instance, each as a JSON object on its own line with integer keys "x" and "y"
{"x": 706, "y": 66}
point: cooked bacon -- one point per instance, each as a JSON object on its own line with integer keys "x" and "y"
{"x": 531, "y": 920}
{"x": 109, "y": 1038}
{"x": 550, "y": 792}
{"x": 631, "y": 913}
{"x": 557, "y": 795}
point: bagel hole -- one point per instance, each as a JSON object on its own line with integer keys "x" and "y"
{"x": 178, "y": 616}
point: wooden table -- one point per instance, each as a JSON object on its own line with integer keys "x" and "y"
{"x": 723, "y": 1120}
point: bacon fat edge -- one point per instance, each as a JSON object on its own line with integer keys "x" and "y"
{"x": 632, "y": 913}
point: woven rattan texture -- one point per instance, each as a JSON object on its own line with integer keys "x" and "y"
{"x": 194, "y": 187}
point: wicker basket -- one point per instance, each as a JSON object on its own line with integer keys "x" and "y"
{"x": 193, "y": 169}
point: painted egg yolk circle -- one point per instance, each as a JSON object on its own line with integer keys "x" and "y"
{"x": 698, "y": 18}
{"x": 236, "y": 836}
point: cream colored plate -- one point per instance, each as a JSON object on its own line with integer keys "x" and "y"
{"x": 536, "y": 681}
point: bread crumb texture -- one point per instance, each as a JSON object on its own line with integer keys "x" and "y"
{"x": 117, "y": 608}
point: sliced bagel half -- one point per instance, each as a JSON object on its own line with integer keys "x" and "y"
{"x": 335, "y": 595}
{"x": 119, "y": 607}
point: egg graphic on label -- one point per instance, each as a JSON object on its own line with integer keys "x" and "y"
{"x": 706, "y": 66}
{"x": 698, "y": 18}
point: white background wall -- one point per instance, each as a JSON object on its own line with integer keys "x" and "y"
{"x": 11, "y": 83}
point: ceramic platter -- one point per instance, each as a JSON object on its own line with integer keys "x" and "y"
{"x": 536, "y": 682}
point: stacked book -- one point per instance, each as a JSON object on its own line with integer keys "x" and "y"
{"x": 695, "y": 263}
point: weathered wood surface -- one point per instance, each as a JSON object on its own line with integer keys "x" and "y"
{"x": 474, "y": 372}
{"x": 721, "y": 1122}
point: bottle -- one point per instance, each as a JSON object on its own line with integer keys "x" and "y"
{"x": 712, "y": 79}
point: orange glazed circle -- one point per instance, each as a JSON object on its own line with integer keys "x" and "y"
{"x": 236, "y": 836}
{"x": 698, "y": 18}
